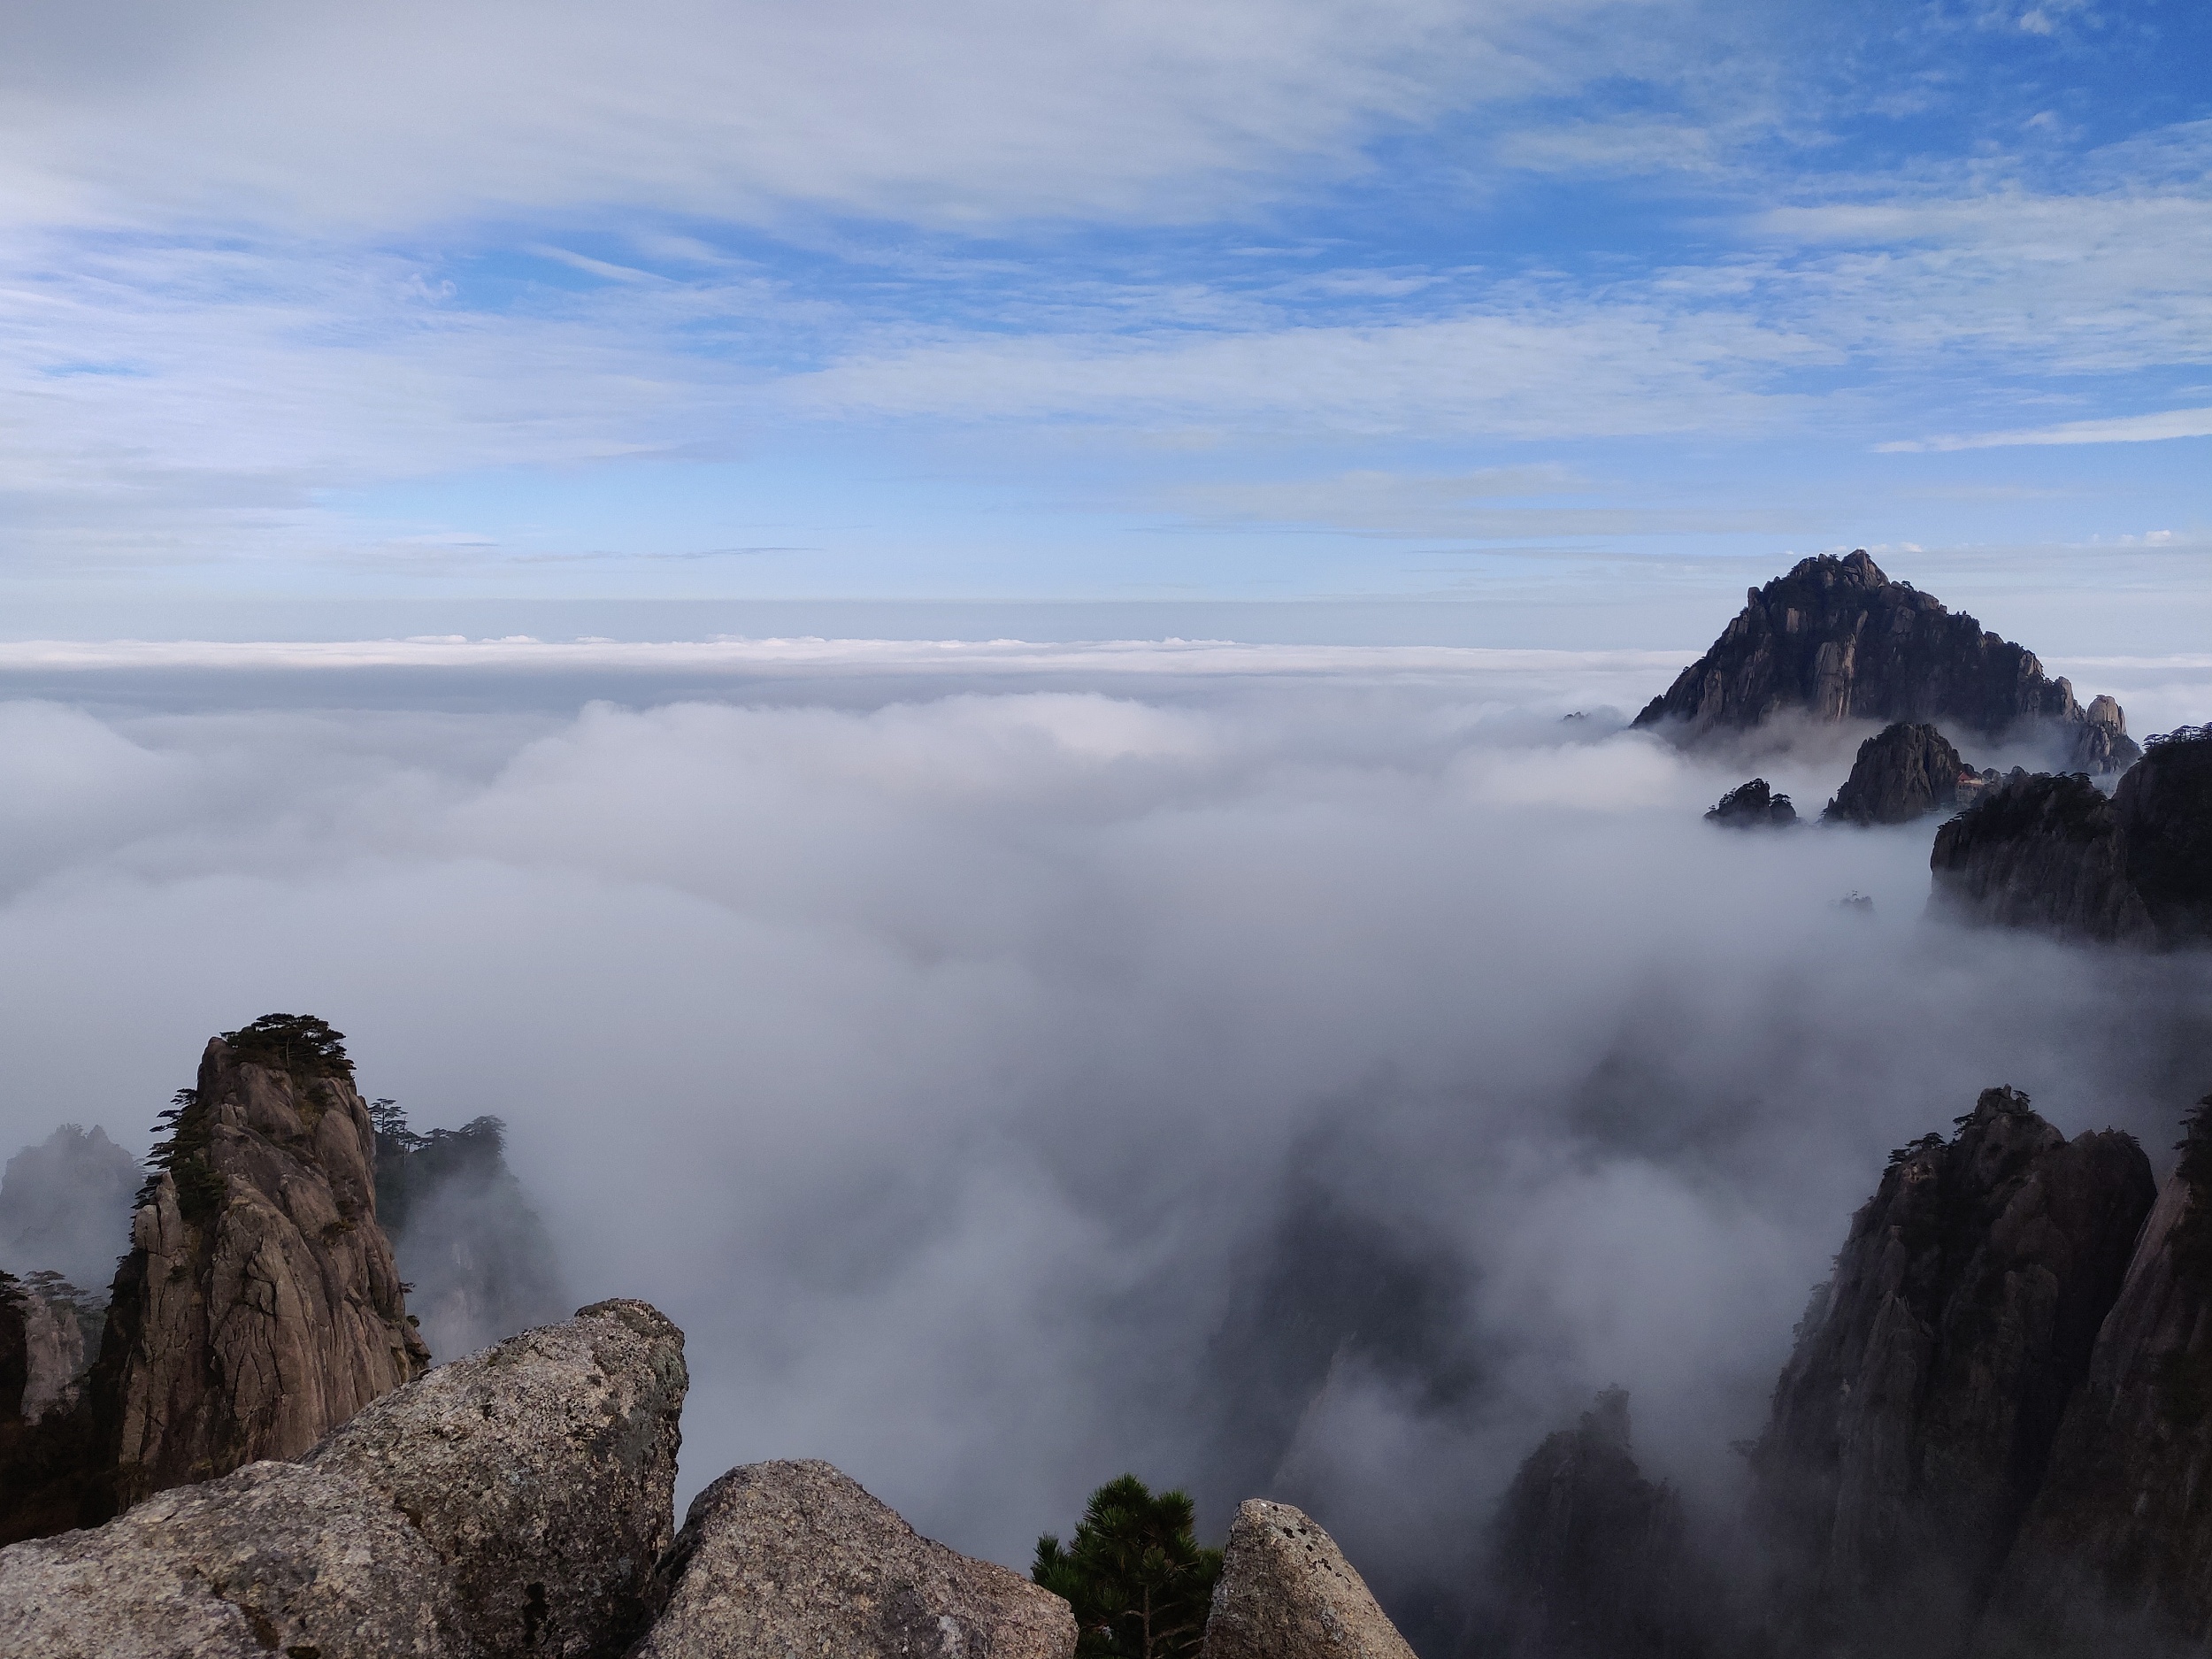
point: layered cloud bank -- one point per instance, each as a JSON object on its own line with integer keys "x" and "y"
{"x": 1312, "y": 1078}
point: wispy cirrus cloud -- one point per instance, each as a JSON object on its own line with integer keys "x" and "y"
{"x": 2172, "y": 423}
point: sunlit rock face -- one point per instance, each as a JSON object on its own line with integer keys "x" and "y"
{"x": 2056, "y": 853}
{"x": 1286, "y": 1592}
{"x": 1911, "y": 1427}
{"x": 259, "y": 1306}
{"x": 1837, "y": 640}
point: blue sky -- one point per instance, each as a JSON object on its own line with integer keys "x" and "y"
{"x": 549, "y": 305}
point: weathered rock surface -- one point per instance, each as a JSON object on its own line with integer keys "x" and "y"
{"x": 1837, "y": 640}
{"x": 796, "y": 1558}
{"x": 48, "y": 1333}
{"x": 1286, "y": 1592}
{"x": 1911, "y": 1427}
{"x": 1753, "y": 805}
{"x": 259, "y": 1306}
{"x": 2115, "y": 1557}
{"x": 1902, "y": 772}
{"x": 510, "y": 1503}
{"x": 2102, "y": 747}
{"x": 1590, "y": 1558}
{"x": 2055, "y": 853}
{"x": 64, "y": 1206}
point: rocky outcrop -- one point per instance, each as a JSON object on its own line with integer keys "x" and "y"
{"x": 1589, "y": 1558}
{"x": 1837, "y": 640}
{"x": 797, "y": 1558}
{"x": 481, "y": 1263}
{"x": 511, "y": 1503}
{"x": 1902, "y": 772}
{"x": 41, "y": 1323}
{"x": 259, "y": 1306}
{"x": 1286, "y": 1592}
{"x": 1753, "y": 806}
{"x": 1912, "y": 1425}
{"x": 2055, "y": 853}
{"x": 2102, "y": 747}
{"x": 64, "y": 1206}
{"x": 2115, "y": 1557}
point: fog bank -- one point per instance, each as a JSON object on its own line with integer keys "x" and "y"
{"x": 1310, "y": 1080}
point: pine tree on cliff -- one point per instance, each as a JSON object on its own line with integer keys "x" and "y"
{"x": 1135, "y": 1573}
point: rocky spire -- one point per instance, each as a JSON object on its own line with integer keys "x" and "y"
{"x": 259, "y": 1306}
{"x": 1902, "y": 772}
{"x": 1912, "y": 1425}
{"x": 1837, "y": 640}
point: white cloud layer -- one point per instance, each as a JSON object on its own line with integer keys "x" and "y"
{"x": 2172, "y": 423}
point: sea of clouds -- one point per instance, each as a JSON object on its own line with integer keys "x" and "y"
{"x": 1273, "y": 1070}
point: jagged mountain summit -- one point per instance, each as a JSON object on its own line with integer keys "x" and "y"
{"x": 64, "y": 1206}
{"x": 1753, "y": 805}
{"x": 2055, "y": 853}
{"x": 1837, "y": 640}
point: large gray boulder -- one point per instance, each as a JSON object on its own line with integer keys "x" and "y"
{"x": 1286, "y": 1592}
{"x": 513, "y": 1503}
{"x": 797, "y": 1558}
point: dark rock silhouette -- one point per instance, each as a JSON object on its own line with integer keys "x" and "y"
{"x": 1753, "y": 806}
{"x": 1836, "y": 640}
{"x": 259, "y": 1306}
{"x": 1912, "y": 1425}
{"x": 798, "y": 1558}
{"x": 1902, "y": 772}
{"x": 2115, "y": 1557}
{"x": 2056, "y": 853}
{"x": 64, "y": 1206}
{"x": 2102, "y": 747}
{"x": 1591, "y": 1560}
{"x": 480, "y": 1262}
{"x": 1286, "y": 1592}
{"x": 510, "y": 1503}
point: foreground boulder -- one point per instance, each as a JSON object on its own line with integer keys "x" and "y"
{"x": 1911, "y": 1426}
{"x": 1837, "y": 640}
{"x": 2055, "y": 854}
{"x": 797, "y": 1558}
{"x": 1590, "y": 1558}
{"x": 2115, "y": 1557}
{"x": 509, "y": 1503}
{"x": 1902, "y": 772}
{"x": 1753, "y": 805}
{"x": 1286, "y": 1592}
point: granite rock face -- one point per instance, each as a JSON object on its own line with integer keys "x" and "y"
{"x": 1836, "y": 640}
{"x": 259, "y": 1306}
{"x": 2102, "y": 747}
{"x": 510, "y": 1503}
{"x": 2055, "y": 853}
{"x": 1902, "y": 772}
{"x": 797, "y": 1558}
{"x": 1590, "y": 1558}
{"x": 49, "y": 1336}
{"x": 1753, "y": 805}
{"x": 2115, "y": 1557}
{"x": 1286, "y": 1592}
{"x": 1911, "y": 1426}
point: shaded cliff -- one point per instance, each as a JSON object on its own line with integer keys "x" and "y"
{"x": 1590, "y": 1560}
{"x": 1912, "y": 1425}
{"x": 478, "y": 1263}
{"x": 1902, "y": 772}
{"x": 259, "y": 1306}
{"x": 1837, "y": 640}
{"x": 2116, "y": 1555}
{"x": 2056, "y": 853}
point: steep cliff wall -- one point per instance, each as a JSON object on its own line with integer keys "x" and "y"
{"x": 1838, "y": 640}
{"x": 2055, "y": 853}
{"x": 1911, "y": 1427}
{"x": 2115, "y": 1557}
{"x": 259, "y": 1306}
